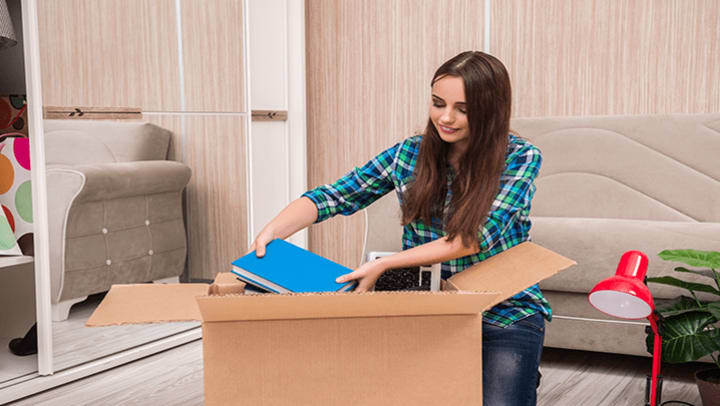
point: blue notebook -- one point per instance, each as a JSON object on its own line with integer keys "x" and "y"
{"x": 287, "y": 268}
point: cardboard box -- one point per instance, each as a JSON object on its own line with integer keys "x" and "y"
{"x": 375, "y": 348}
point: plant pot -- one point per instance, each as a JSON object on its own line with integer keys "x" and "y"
{"x": 708, "y": 382}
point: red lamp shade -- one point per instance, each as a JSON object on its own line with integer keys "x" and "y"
{"x": 625, "y": 295}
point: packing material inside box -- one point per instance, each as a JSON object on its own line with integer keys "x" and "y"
{"x": 339, "y": 348}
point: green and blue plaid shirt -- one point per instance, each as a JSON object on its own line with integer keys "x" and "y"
{"x": 507, "y": 225}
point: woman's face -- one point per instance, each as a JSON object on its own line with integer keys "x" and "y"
{"x": 448, "y": 110}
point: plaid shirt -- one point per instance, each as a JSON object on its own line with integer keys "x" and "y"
{"x": 507, "y": 225}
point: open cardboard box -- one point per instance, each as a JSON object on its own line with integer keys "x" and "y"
{"x": 375, "y": 348}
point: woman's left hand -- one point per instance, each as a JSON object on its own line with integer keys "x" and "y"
{"x": 366, "y": 275}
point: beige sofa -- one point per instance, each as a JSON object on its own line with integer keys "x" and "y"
{"x": 608, "y": 184}
{"x": 115, "y": 207}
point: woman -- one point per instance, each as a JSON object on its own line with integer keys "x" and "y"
{"x": 465, "y": 187}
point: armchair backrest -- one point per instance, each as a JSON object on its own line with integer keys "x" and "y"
{"x": 76, "y": 142}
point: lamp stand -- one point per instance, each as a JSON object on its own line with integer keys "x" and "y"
{"x": 653, "y": 387}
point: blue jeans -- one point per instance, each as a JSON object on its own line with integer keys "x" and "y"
{"x": 511, "y": 357}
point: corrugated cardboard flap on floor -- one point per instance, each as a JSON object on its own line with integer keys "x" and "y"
{"x": 151, "y": 303}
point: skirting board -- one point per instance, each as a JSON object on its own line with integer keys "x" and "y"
{"x": 42, "y": 383}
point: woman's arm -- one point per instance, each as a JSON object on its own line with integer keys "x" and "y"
{"x": 299, "y": 214}
{"x": 440, "y": 250}
{"x": 354, "y": 191}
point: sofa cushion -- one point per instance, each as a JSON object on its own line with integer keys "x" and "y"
{"x": 598, "y": 244}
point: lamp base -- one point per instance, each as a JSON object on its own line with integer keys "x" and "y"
{"x": 648, "y": 386}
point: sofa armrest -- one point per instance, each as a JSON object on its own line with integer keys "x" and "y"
{"x": 63, "y": 187}
{"x": 125, "y": 179}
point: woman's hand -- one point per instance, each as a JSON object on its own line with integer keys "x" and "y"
{"x": 264, "y": 238}
{"x": 366, "y": 275}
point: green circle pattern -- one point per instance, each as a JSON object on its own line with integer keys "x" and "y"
{"x": 23, "y": 202}
{"x": 7, "y": 238}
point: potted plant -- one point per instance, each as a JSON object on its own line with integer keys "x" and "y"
{"x": 690, "y": 327}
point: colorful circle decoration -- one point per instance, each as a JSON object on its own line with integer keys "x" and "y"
{"x": 21, "y": 148}
{"x": 9, "y": 216}
{"x": 23, "y": 201}
{"x": 5, "y": 114}
{"x": 15, "y": 190}
{"x": 26, "y": 243}
{"x": 7, "y": 174}
{"x": 7, "y": 237}
{"x": 17, "y": 101}
{"x": 13, "y": 115}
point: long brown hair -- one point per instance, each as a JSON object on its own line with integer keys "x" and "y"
{"x": 489, "y": 99}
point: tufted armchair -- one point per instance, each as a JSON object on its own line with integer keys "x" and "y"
{"x": 115, "y": 208}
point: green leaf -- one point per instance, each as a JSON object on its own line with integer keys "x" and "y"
{"x": 678, "y": 305}
{"x": 705, "y": 272}
{"x": 714, "y": 309}
{"x": 685, "y": 337}
{"x": 691, "y": 286}
{"x": 710, "y": 259}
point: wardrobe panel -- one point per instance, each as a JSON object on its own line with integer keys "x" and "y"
{"x": 217, "y": 194}
{"x": 109, "y": 53}
{"x": 212, "y": 44}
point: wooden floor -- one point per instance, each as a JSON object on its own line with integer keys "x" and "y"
{"x": 74, "y": 344}
{"x": 12, "y": 366}
{"x": 571, "y": 378}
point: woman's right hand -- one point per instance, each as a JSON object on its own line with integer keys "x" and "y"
{"x": 297, "y": 215}
{"x": 266, "y": 235}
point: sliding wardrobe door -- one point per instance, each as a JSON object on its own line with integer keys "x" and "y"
{"x": 277, "y": 170}
{"x": 124, "y": 57}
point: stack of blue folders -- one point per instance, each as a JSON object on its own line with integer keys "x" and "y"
{"x": 287, "y": 268}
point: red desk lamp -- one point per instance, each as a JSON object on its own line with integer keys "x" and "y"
{"x": 626, "y": 296}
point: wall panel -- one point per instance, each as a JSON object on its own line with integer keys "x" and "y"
{"x": 108, "y": 53}
{"x": 217, "y": 193}
{"x": 212, "y": 39}
{"x": 369, "y": 66}
{"x": 597, "y": 57}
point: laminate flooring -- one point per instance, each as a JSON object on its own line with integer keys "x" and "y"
{"x": 174, "y": 377}
{"x": 12, "y": 366}
{"x": 74, "y": 344}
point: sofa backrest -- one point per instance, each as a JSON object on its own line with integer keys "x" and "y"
{"x": 655, "y": 167}
{"x": 608, "y": 184}
{"x": 76, "y": 142}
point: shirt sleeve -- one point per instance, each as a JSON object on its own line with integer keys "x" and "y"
{"x": 516, "y": 190}
{"x": 357, "y": 189}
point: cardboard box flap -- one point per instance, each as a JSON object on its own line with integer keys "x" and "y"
{"x": 148, "y": 303}
{"x": 511, "y": 271}
{"x": 340, "y": 305}
{"x": 226, "y": 283}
